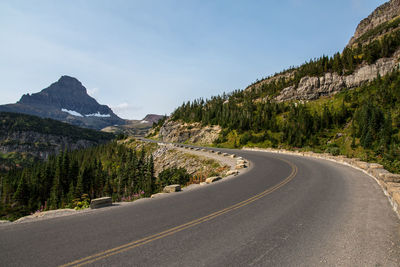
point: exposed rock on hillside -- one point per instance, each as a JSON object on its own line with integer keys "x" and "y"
{"x": 192, "y": 133}
{"x": 382, "y": 14}
{"x": 311, "y": 88}
{"x": 167, "y": 157}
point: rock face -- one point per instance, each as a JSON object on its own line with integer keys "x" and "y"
{"x": 66, "y": 100}
{"x": 382, "y": 14}
{"x": 193, "y": 133}
{"x": 168, "y": 157}
{"x": 311, "y": 88}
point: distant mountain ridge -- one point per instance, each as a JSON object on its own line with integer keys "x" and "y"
{"x": 66, "y": 100}
{"x": 153, "y": 118}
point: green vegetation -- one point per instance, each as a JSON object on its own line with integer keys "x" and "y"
{"x": 342, "y": 64}
{"x": 363, "y": 123}
{"x": 174, "y": 176}
{"x": 71, "y": 179}
{"x": 16, "y": 122}
{"x": 16, "y": 160}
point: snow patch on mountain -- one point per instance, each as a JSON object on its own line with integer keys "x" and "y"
{"x": 98, "y": 115}
{"x": 72, "y": 112}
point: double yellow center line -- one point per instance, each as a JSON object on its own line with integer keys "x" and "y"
{"x": 171, "y": 231}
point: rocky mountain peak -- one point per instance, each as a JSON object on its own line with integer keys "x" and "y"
{"x": 66, "y": 100}
{"x": 67, "y": 93}
{"x": 70, "y": 83}
{"x": 380, "y": 15}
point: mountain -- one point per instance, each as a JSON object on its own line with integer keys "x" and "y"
{"x": 135, "y": 127}
{"x": 24, "y": 138}
{"x": 346, "y": 104}
{"x": 66, "y": 100}
{"x": 153, "y": 118}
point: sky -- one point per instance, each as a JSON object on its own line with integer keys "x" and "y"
{"x": 141, "y": 57}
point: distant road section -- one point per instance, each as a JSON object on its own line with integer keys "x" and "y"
{"x": 284, "y": 211}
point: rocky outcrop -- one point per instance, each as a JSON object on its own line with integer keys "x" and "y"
{"x": 168, "y": 157}
{"x": 382, "y": 14}
{"x": 310, "y": 88}
{"x": 193, "y": 133}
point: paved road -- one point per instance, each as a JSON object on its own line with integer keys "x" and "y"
{"x": 285, "y": 211}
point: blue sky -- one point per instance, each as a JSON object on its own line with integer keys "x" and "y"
{"x": 143, "y": 57}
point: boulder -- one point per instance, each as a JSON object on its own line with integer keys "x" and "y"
{"x": 232, "y": 172}
{"x": 391, "y": 188}
{"x": 172, "y": 188}
{"x": 391, "y": 177}
{"x": 100, "y": 202}
{"x": 378, "y": 173}
{"x": 213, "y": 179}
{"x": 157, "y": 195}
{"x": 375, "y": 166}
{"x": 362, "y": 165}
{"x": 396, "y": 200}
{"x": 240, "y": 166}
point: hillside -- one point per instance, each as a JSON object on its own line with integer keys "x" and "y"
{"x": 29, "y": 137}
{"x": 66, "y": 100}
{"x": 372, "y": 51}
{"x": 311, "y": 107}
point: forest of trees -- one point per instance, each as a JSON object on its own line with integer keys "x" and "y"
{"x": 71, "y": 179}
{"x": 368, "y": 117}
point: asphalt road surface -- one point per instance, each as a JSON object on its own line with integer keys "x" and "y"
{"x": 284, "y": 211}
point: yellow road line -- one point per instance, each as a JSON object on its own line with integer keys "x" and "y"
{"x": 140, "y": 242}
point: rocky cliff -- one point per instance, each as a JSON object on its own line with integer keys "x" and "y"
{"x": 193, "y": 133}
{"x": 382, "y": 14}
{"x": 66, "y": 100}
{"x": 310, "y": 88}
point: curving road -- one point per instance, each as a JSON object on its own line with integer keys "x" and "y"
{"x": 284, "y": 211}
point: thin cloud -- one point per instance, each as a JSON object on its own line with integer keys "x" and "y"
{"x": 124, "y": 109}
{"x": 93, "y": 92}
